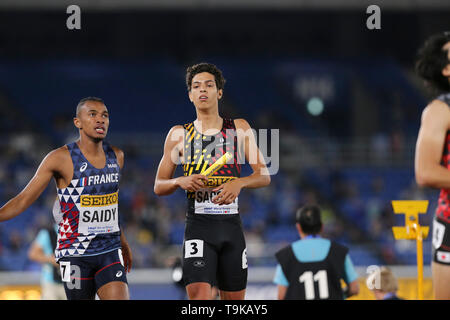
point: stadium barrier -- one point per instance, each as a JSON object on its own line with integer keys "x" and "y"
{"x": 157, "y": 284}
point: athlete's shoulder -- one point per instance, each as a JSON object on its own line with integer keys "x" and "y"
{"x": 436, "y": 109}
{"x": 241, "y": 123}
{"x": 178, "y": 127}
{"x": 176, "y": 133}
{"x": 120, "y": 156}
{"x": 119, "y": 152}
{"x": 437, "y": 105}
{"x": 59, "y": 154}
{"x": 56, "y": 159}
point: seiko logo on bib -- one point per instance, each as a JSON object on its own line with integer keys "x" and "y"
{"x": 83, "y": 167}
{"x": 99, "y": 213}
{"x": 99, "y": 201}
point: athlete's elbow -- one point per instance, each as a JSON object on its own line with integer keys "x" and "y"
{"x": 158, "y": 190}
{"x": 421, "y": 181}
{"x": 424, "y": 179}
{"x": 266, "y": 180}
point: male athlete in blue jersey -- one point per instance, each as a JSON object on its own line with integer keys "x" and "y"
{"x": 312, "y": 268}
{"x": 92, "y": 252}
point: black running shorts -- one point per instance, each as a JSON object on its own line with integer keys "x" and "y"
{"x": 214, "y": 251}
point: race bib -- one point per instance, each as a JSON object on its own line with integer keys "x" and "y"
{"x": 438, "y": 234}
{"x": 99, "y": 213}
{"x": 204, "y": 205}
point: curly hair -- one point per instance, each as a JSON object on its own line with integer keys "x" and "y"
{"x": 431, "y": 59}
{"x": 204, "y": 67}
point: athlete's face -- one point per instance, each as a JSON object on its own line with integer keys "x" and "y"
{"x": 93, "y": 120}
{"x": 446, "y": 70}
{"x": 204, "y": 92}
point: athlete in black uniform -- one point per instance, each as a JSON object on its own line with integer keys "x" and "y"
{"x": 214, "y": 250}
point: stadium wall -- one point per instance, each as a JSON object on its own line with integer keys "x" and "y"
{"x": 157, "y": 284}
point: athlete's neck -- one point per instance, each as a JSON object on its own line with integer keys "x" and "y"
{"x": 208, "y": 121}
{"x": 90, "y": 146}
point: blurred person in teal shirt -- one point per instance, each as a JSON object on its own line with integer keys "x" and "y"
{"x": 312, "y": 268}
{"x": 42, "y": 251}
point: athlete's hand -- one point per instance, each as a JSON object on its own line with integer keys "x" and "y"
{"x": 127, "y": 256}
{"x": 193, "y": 182}
{"x": 230, "y": 191}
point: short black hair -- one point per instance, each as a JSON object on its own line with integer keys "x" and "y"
{"x": 431, "y": 59}
{"x": 84, "y": 100}
{"x": 204, "y": 67}
{"x": 309, "y": 219}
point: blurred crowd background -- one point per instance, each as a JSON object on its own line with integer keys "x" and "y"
{"x": 344, "y": 99}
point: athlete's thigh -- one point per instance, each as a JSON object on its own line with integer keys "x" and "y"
{"x": 232, "y": 268}
{"x": 78, "y": 277}
{"x": 199, "y": 257}
{"x": 110, "y": 269}
{"x": 114, "y": 290}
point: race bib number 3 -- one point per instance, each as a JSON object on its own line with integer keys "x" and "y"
{"x": 193, "y": 248}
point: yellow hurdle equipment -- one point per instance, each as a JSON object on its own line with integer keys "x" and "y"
{"x": 413, "y": 231}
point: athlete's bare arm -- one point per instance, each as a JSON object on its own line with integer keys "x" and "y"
{"x": 165, "y": 184}
{"x": 281, "y": 292}
{"x": 126, "y": 250}
{"x": 56, "y": 164}
{"x": 260, "y": 176}
{"x": 430, "y": 145}
{"x": 120, "y": 156}
{"x": 36, "y": 253}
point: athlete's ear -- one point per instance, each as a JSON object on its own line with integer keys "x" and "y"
{"x": 77, "y": 123}
{"x": 190, "y": 96}
{"x": 299, "y": 229}
{"x": 446, "y": 71}
{"x": 220, "y": 93}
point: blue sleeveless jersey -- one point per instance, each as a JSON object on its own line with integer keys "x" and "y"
{"x": 88, "y": 221}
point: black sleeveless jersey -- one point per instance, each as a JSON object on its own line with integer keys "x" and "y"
{"x": 200, "y": 152}
{"x": 318, "y": 280}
